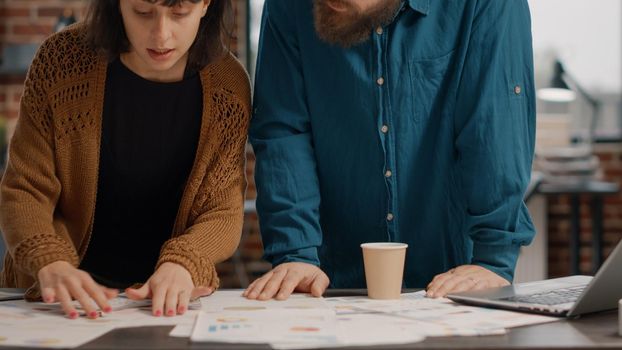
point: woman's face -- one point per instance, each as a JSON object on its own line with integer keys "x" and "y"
{"x": 160, "y": 36}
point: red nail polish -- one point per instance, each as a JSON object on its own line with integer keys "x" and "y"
{"x": 73, "y": 315}
{"x": 170, "y": 312}
{"x": 158, "y": 313}
{"x": 181, "y": 310}
{"x": 108, "y": 309}
{"x": 93, "y": 314}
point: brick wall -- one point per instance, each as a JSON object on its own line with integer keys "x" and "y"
{"x": 31, "y": 21}
{"x": 559, "y": 218}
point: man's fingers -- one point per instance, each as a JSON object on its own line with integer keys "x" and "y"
{"x": 500, "y": 282}
{"x": 319, "y": 285}
{"x": 448, "y": 285}
{"x": 287, "y": 278}
{"x": 249, "y": 288}
{"x": 273, "y": 285}
{"x": 253, "y": 291}
{"x": 462, "y": 278}
{"x": 464, "y": 285}
{"x": 437, "y": 282}
{"x": 288, "y": 285}
{"x": 480, "y": 285}
{"x": 258, "y": 285}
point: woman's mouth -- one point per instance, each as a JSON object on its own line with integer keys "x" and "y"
{"x": 160, "y": 54}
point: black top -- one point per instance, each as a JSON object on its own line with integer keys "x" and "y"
{"x": 150, "y": 133}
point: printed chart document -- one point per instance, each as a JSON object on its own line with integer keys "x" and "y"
{"x": 436, "y": 317}
{"x": 305, "y": 322}
{"x": 227, "y": 316}
{"x": 45, "y": 325}
{"x": 300, "y": 322}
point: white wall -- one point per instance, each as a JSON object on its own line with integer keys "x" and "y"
{"x": 586, "y": 35}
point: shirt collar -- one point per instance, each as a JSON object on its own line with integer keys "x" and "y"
{"x": 422, "y": 6}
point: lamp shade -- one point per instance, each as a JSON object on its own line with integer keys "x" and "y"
{"x": 558, "y": 90}
{"x": 556, "y": 95}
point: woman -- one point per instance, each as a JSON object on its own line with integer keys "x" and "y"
{"x": 127, "y": 164}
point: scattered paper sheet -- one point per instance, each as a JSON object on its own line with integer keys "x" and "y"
{"x": 232, "y": 300}
{"x": 438, "y": 317}
{"x": 229, "y": 317}
{"x": 45, "y": 325}
{"x": 267, "y": 326}
{"x": 300, "y": 322}
{"x": 346, "y": 321}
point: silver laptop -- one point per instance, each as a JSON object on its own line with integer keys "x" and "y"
{"x": 567, "y": 296}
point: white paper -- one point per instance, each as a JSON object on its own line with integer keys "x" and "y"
{"x": 300, "y": 322}
{"x": 229, "y": 317}
{"x": 267, "y": 326}
{"x": 45, "y": 325}
{"x": 233, "y": 301}
{"x": 439, "y": 317}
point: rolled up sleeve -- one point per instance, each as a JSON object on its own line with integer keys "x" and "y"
{"x": 495, "y": 130}
{"x": 288, "y": 196}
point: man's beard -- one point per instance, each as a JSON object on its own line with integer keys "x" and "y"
{"x": 349, "y": 28}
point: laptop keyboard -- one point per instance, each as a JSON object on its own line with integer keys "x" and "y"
{"x": 553, "y": 297}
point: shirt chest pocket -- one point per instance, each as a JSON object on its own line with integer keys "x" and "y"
{"x": 429, "y": 82}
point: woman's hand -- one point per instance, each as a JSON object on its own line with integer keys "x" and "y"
{"x": 170, "y": 288}
{"x": 61, "y": 282}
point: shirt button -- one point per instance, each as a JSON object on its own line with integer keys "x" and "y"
{"x": 379, "y": 30}
{"x": 389, "y": 217}
{"x": 380, "y": 81}
{"x": 388, "y": 173}
{"x": 517, "y": 89}
{"x": 384, "y": 129}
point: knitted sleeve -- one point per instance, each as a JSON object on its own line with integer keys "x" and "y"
{"x": 216, "y": 225}
{"x": 30, "y": 188}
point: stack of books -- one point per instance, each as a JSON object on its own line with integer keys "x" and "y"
{"x": 570, "y": 164}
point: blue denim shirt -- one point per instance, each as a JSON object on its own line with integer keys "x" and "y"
{"x": 424, "y": 134}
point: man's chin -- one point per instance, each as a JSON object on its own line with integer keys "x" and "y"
{"x": 344, "y": 39}
{"x": 349, "y": 28}
{"x": 339, "y": 28}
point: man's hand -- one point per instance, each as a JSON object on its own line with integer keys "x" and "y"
{"x": 170, "y": 289}
{"x": 464, "y": 278}
{"x": 61, "y": 282}
{"x": 286, "y": 278}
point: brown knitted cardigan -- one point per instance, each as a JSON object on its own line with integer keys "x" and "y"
{"x": 48, "y": 191}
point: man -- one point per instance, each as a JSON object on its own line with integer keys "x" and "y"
{"x": 388, "y": 120}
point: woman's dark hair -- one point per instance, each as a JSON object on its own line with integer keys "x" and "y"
{"x": 106, "y": 31}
